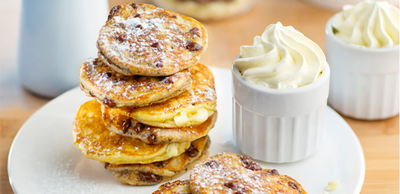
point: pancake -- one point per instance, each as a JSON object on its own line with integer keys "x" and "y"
{"x": 116, "y": 90}
{"x": 150, "y": 174}
{"x": 156, "y": 135}
{"x": 176, "y": 187}
{"x": 192, "y": 107}
{"x": 232, "y": 173}
{"x": 141, "y": 39}
{"x": 98, "y": 143}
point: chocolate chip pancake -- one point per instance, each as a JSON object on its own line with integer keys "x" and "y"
{"x": 98, "y": 143}
{"x": 232, "y": 173}
{"x": 192, "y": 107}
{"x": 150, "y": 174}
{"x": 116, "y": 90}
{"x": 176, "y": 187}
{"x": 141, "y": 39}
{"x": 156, "y": 135}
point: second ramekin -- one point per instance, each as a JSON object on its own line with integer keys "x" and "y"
{"x": 279, "y": 125}
{"x": 364, "y": 81}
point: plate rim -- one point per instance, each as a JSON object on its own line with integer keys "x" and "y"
{"x": 214, "y": 69}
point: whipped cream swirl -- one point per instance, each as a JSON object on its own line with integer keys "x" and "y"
{"x": 280, "y": 58}
{"x": 369, "y": 24}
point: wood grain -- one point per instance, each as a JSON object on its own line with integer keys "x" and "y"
{"x": 379, "y": 139}
{"x": 380, "y": 143}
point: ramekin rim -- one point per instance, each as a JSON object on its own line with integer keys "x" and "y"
{"x": 325, "y": 76}
{"x": 329, "y": 32}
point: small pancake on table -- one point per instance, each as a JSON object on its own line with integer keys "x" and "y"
{"x": 150, "y": 174}
{"x": 232, "y": 173}
{"x": 192, "y": 107}
{"x": 116, "y": 90}
{"x": 141, "y": 39}
{"x": 98, "y": 143}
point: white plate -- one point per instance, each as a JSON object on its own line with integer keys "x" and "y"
{"x": 43, "y": 158}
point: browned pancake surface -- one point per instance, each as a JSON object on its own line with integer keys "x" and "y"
{"x": 98, "y": 143}
{"x": 141, "y": 39}
{"x": 232, "y": 173}
{"x": 201, "y": 95}
{"x": 150, "y": 174}
{"x": 176, "y": 187}
{"x": 156, "y": 135}
{"x": 116, "y": 90}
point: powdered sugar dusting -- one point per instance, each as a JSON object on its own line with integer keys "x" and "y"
{"x": 202, "y": 94}
{"x": 207, "y": 93}
{"x": 123, "y": 87}
{"x": 147, "y": 37}
{"x": 69, "y": 172}
{"x": 228, "y": 169}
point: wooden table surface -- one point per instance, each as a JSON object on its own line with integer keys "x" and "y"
{"x": 379, "y": 139}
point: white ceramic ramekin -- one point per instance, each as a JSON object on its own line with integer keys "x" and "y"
{"x": 279, "y": 125}
{"x": 364, "y": 81}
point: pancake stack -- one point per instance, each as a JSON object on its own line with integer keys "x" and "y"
{"x": 154, "y": 104}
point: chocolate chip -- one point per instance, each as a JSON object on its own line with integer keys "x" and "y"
{"x": 137, "y": 15}
{"x": 159, "y": 164}
{"x": 193, "y": 46}
{"x": 194, "y": 31}
{"x": 273, "y": 172}
{"x": 250, "y": 164}
{"x": 113, "y": 12}
{"x": 134, "y": 5}
{"x": 192, "y": 151}
{"x": 106, "y": 75}
{"x": 139, "y": 26}
{"x": 125, "y": 125}
{"x": 246, "y": 160}
{"x": 157, "y": 45}
{"x": 106, "y": 165}
{"x": 168, "y": 80}
{"x": 121, "y": 37}
{"x": 149, "y": 177}
{"x": 109, "y": 102}
{"x": 174, "y": 16}
{"x": 138, "y": 127}
{"x": 212, "y": 164}
{"x": 239, "y": 192}
{"x": 193, "y": 103}
{"x": 231, "y": 185}
{"x": 293, "y": 186}
{"x": 158, "y": 63}
{"x": 152, "y": 137}
{"x": 91, "y": 94}
{"x": 254, "y": 166}
{"x": 122, "y": 25}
